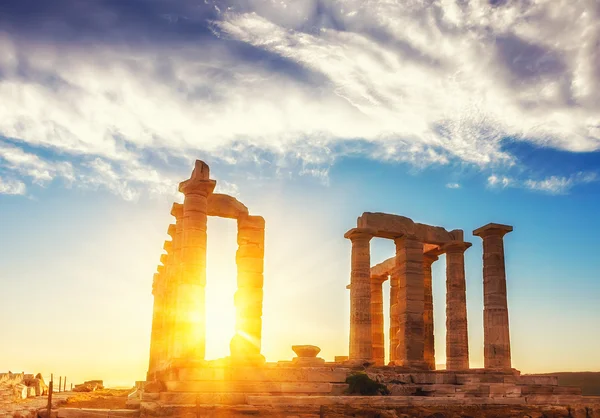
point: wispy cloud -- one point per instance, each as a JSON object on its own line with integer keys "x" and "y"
{"x": 499, "y": 181}
{"x": 550, "y": 184}
{"x": 425, "y": 83}
{"x": 12, "y": 187}
{"x": 560, "y": 185}
{"x": 453, "y": 186}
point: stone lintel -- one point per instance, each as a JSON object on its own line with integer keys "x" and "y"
{"x": 358, "y": 233}
{"x": 493, "y": 228}
{"x": 171, "y": 230}
{"x": 456, "y": 246}
{"x": 385, "y": 225}
{"x": 384, "y": 268}
{"x": 177, "y": 210}
{"x": 225, "y": 206}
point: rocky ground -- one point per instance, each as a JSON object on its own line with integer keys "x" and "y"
{"x": 34, "y": 407}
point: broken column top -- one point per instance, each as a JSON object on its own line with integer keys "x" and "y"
{"x": 177, "y": 210}
{"x": 493, "y": 228}
{"x": 200, "y": 177}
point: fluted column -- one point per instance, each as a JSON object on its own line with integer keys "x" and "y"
{"x": 246, "y": 344}
{"x": 496, "y": 335}
{"x": 157, "y": 292}
{"x": 393, "y": 314}
{"x": 457, "y": 339}
{"x": 429, "y": 345}
{"x": 378, "y": 350}
{"x": 176, "y": 232}
{"x": 411, "y": 303}
{"x": 191, "y": 310}
{"x": 361, "y": 336}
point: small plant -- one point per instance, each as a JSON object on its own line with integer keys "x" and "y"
{"x": 360, "y": 383}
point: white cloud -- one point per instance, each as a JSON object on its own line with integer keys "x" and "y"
{"x": 499, "y": 181}
{"x": 558, "y": 184}
{"x": 453, "y": 185}
{"x": 421, "y": 82}
{"x": 12, "y": 187}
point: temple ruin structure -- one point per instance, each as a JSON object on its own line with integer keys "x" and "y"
{"x": 418, "y": 246}
{"x": 181, "y": 382}
{"x": 179, "y": 320}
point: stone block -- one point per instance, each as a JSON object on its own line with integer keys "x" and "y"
{"x": 537, "y": 380}
{"x": 225, "y": 206}
{"x": 20, "y": 391}
{"x": 251, "y": 222}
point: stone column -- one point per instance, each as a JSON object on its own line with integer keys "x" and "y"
{"x": 176, "y": 232}
{"x": 411, "y": 303}
{"x": 156, "y": 323}
{"x": 246, "y": 343}
{"x": 378, "y": 350}
{"x": 191, "y": 310}
{"x": 496, "y": 336}
{"x": 457, "y": 339}
{"x": 361, "y": 336}
{"x": 429, "y": 346}
{"x": 393, "y": 314}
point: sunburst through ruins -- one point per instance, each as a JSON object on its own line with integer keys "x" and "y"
{"x": 181, "y": 382}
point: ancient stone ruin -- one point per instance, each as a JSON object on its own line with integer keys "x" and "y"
{"x": 181, "y": 382}
{"x": 418, "y": 246}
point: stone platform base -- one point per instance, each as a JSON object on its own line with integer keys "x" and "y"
{"x": 290, "y": 390}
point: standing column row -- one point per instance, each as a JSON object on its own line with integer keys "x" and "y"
{"x": 246, "y": 344}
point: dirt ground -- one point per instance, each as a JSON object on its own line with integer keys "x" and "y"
{"x": 103, "y": 398}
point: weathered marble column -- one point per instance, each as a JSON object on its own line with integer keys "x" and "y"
{"x": 378, "y": 350}
{"x": 361, "y": 336}
{"x": 246, "y": 344}
{"x": 429, "y": 346}
{"x": 157, "y": 292}
{"x": 176, "y": 233}
{"x": 393, "y": 314}
{"x": 411, "y": 303}
{"x": 457, "y": 338}
{"x": 191, "y": 310}
{"x": 496, "y": 336}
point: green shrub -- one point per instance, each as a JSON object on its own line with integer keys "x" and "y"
{"x": 361, "y": 384}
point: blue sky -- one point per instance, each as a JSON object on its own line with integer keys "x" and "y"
{"x": 310, "y": 113}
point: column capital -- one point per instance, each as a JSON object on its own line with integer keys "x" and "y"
{"x": 164, "y": 259}
{"x": 456, "y": 247}
{"x": 160, "y": 268}
{"x": 405, "y": 237}
{"x": 199, "y": 182}
{"x": 177, "y": 210}
{"x": 358, "y": 234}
{"x": 430, "y": 257}
{"x": 171, "y": 230}
{"x": 492, "y": 229}
{"x": 168, "y": 246}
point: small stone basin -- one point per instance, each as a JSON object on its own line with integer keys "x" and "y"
{"x": 306, "y": 350}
